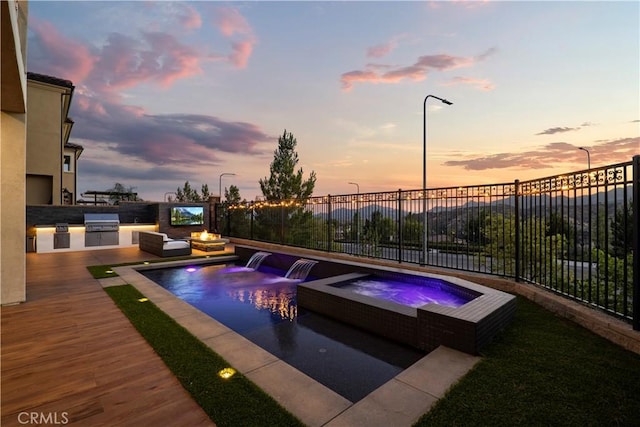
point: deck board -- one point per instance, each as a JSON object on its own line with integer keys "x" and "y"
{"x": 69, "y": 349}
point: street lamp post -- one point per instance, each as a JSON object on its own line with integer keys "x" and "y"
{"x": 424, "y": 173}
{"x": 590, "y": 219}
{"x": 358, "y": 212}
{"x": 220, "y": 183}
{"x": 588, "y": 157}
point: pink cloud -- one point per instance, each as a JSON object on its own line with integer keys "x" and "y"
{"x": 134, "y": 131}
{"x": 229, "y": 21}
{"x": 416, "y": 72}
{"x": 190, "y": 18}
{"x": 380, "y": 50}
{"x": 384, "y": 49}
{"x": 89, "y": 106}
{"x": 158, "y": 57}
{"x": 444, "y": 62}
{"x": 231, "y": 24}
{"x": 546, "y": 156}
{"x": 412, "y": 72}
{"x": 482, "y": 84}
{"x": 58, "y": 55}
{"x": 241, "y": 53}
{"x": 348, "y": 79}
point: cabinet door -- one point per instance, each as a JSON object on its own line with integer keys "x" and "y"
{"x": 109, "y": 238}
{"x": 92, "y": 239}
{"x": 61, "y": 240}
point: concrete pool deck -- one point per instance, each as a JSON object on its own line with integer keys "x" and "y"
{"x": 399, "y": 402}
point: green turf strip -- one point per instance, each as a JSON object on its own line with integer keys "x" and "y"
{"x": 545, "y": 371}
{"x": 231, "y": 402}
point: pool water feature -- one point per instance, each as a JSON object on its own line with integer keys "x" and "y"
{"x": 256, "y": 259}
{"x": 300, "y": 269}
{"x": 262, "y": 306}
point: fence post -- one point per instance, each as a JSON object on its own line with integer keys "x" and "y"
{"x": 253, "y": 212}
{"x": 281, "y": 223}
{"x": 517, "y": 228}
{"x": 399, "y": 222}
{"x": 329, "y": 219}
{"x": 636, "y": 242}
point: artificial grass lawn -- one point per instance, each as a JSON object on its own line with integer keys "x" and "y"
{"x": 231, "y": 402}
{"x": 545, "y": 371}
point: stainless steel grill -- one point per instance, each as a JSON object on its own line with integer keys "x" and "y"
{"x": 101, "y": 222}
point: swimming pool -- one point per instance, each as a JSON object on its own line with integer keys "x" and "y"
{"x": 262, "y": 306}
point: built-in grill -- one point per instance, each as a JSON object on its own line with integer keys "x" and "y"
{"x": 94, "y": 222}
{"x": 101, "y": 229}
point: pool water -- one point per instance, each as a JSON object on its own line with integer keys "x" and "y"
{"x": 261, "y": 305}
{"x": 406, "y": 293}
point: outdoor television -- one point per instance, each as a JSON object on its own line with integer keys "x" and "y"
{"x": 187, "y": 215}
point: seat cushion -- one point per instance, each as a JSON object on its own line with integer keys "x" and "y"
{"x": 175, "y": 244}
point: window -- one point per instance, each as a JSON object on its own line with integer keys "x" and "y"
{"x": 67, "y": 164}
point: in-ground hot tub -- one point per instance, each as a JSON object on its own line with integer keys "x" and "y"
{"x": 468, "y": 325}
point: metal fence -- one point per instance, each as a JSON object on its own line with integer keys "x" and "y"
{"x": 575, "y": 234}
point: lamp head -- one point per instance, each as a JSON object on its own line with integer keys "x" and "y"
{"x": 447, "y": 102}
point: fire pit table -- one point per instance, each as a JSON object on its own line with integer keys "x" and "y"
{"x": 207, "y": 241}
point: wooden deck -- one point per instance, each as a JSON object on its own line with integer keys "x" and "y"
{"x": 69, "y": 353}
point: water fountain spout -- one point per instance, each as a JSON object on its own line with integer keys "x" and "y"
{"x": 256, "y": 259}
{"x": 300, "y": 269}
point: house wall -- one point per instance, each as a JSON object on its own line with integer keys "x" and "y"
{"x": 45, "y": 144}
{"x": 69, "y": 178}
{"x": 13, "y": 26}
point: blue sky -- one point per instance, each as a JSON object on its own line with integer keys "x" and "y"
{"x": 168, "y": 92}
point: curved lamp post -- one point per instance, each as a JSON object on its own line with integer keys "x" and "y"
{"x": 358, "y": 212}
{"x": 220, "y": 183}
{"x": 424, "y": 173}
{"x": 588, "y": 157}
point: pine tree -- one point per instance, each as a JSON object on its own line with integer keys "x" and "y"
{"x": 285, "y": 183}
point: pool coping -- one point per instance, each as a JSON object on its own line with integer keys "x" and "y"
{"x": 399, "y": 402}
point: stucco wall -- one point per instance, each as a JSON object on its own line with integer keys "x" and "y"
{"x": 12, "y": 214}
{"x": 44, "y": 148}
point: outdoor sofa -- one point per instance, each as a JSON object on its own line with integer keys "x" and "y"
{"x": 160, "y": 244}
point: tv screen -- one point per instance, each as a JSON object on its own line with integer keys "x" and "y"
{"x": 187, "y": 215}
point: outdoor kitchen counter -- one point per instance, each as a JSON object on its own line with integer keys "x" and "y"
{"x": 47, "y": 239}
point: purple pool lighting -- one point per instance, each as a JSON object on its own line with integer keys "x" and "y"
{"x": 192, "y": 269}
{"x": 405, "y": 293}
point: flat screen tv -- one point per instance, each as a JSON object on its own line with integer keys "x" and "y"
{"x": 187, "y": 215}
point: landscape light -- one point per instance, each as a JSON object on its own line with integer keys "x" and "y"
{"x": 226, "y": 373}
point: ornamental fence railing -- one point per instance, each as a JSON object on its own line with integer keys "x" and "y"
{"x": 575, "y": 234}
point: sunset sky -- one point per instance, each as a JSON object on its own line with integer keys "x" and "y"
{"x": 172, "y": 92}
